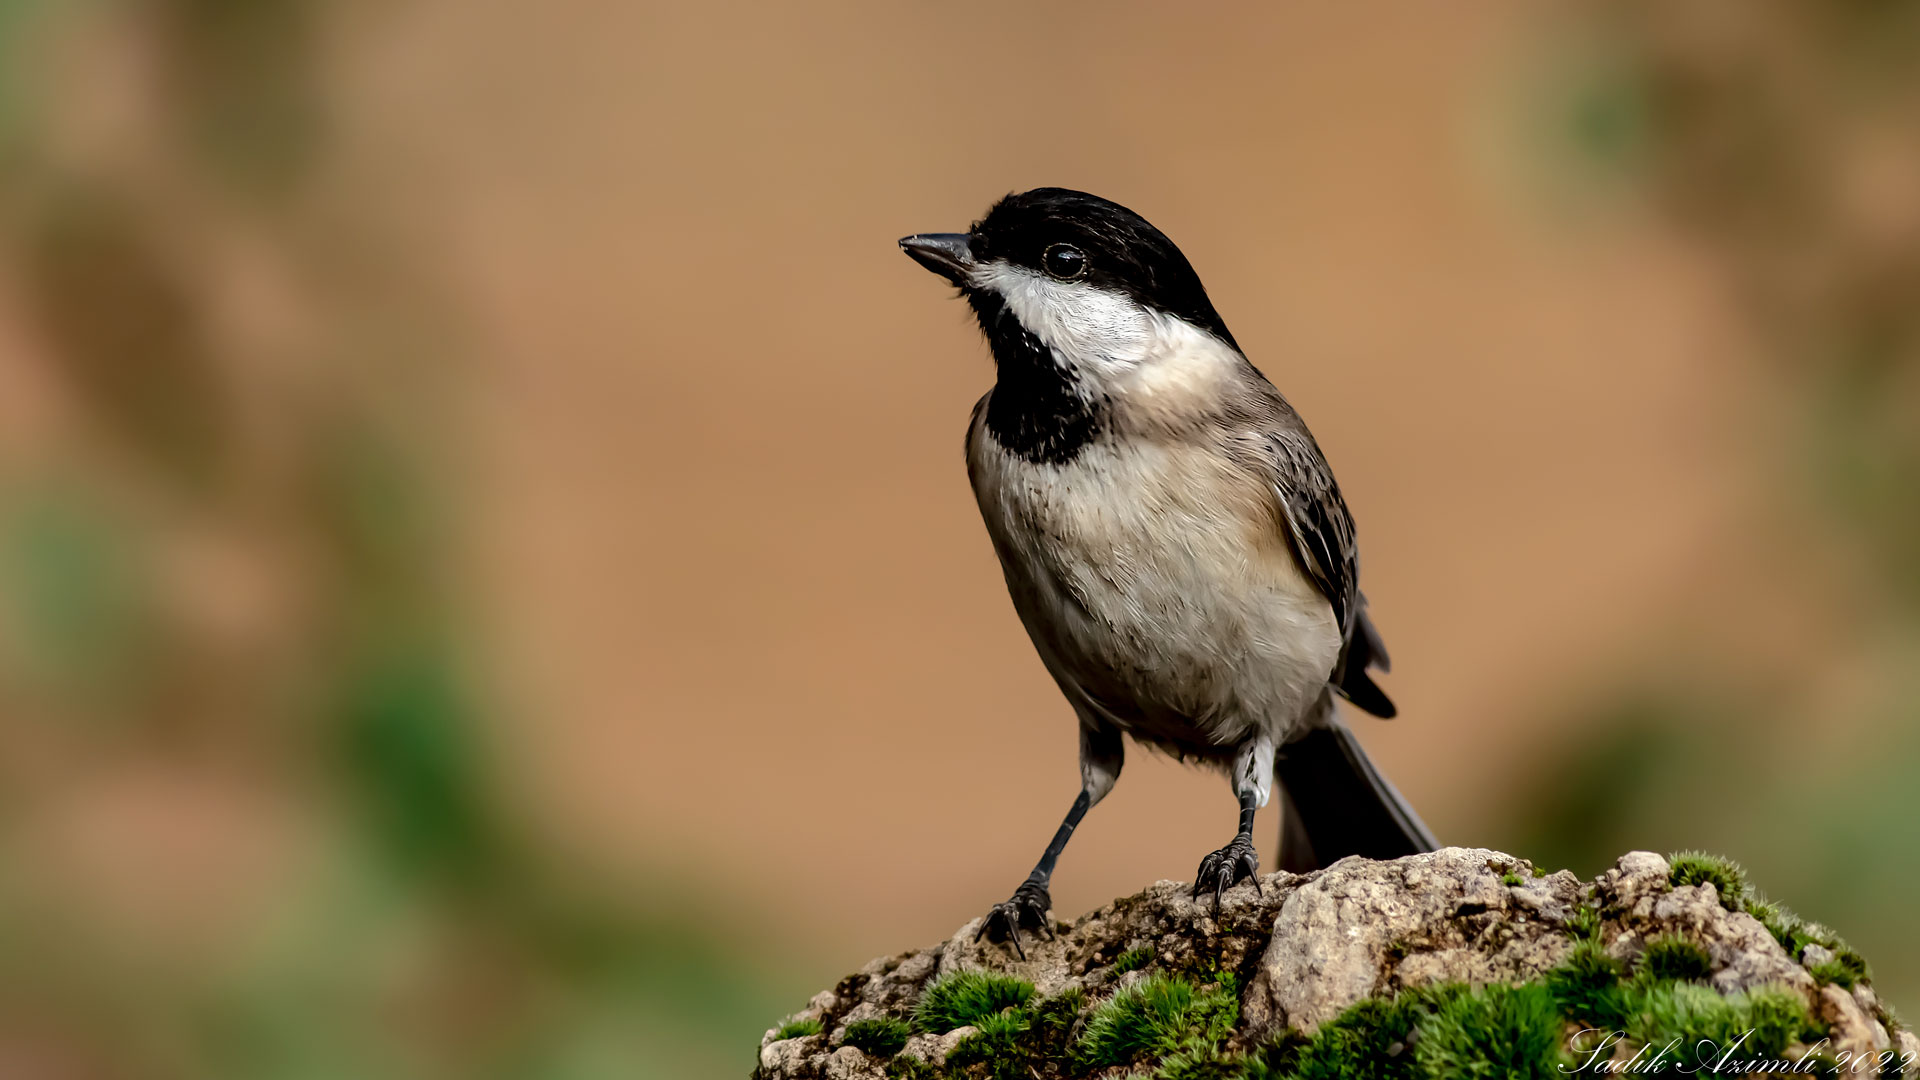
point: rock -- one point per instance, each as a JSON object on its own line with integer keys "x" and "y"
{"x": 1744, "y": 953}
{"x": 787, "y": 1057}
{"x": 934, "y": 1049}
{"x": 1363, "y": 928}
{"x": 848, "y": 1063}
{"x": 1907, "y": 1046}
{"x": 1855, "y": 1027}
{"x": 1853, "y": 1031}
{"x": 1303, "y": 949}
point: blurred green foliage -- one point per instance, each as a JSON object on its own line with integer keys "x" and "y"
{"x": 1763, "y": 133}
{"x": 76, "y": 602}
{"x": 417, "y": 935}
{"x": 424, "y": 937}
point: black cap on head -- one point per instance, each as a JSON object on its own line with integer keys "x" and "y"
{"x": 1076, "y": 236}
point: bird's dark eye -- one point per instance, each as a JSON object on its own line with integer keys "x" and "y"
{"x": 1064, "y": 261}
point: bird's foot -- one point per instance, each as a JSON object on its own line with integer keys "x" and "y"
{"x": 1027, "y": 908}
{"x": 1224, "y": 869}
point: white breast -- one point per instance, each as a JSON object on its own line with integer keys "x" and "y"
{"x": 1158, "y": 579}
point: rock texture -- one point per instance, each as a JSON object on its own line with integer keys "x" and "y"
{"x": 1307, "y": 947}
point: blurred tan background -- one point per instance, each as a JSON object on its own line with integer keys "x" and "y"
{"x": 488, "y": 585}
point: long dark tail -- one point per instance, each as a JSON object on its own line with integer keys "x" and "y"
{"x": 1335, "y": 804}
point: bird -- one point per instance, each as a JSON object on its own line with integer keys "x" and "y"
{"x": 1171, "y": 535}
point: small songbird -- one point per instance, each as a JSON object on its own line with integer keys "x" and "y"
{"x": 1172, "y": 538}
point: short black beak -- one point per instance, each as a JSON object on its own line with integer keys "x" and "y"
{"x": 946, "y": 254}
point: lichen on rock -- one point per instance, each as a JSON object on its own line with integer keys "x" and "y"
{"x": 1463, "y": 961}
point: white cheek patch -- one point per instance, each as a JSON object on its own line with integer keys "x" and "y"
{"x": 1109, "y": 337}
{"x": 1088, "y": 327}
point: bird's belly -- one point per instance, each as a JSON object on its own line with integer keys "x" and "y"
{"x": 1159, "y": 583}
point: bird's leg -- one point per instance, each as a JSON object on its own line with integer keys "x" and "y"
{"x": 1100, "y": 760}
{"x": 1252, "y": 779}
{"x": 1030, "y": 903}
{"x": 1224, "y": 868}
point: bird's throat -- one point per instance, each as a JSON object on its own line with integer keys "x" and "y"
{"x": 1040, "y": 409}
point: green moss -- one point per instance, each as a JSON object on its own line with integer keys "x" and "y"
{"x": 1779, "y": 922}
{"x": 1838, "y": 972}
{"x": 1053, "y": 1018}
{"x": 1507, "y": 1031}
{"x": 1699, "y": 868}
{"x": 1689, "y": 1017}
{"x": 1674, "y": 958}
{"x": 1795, "y": 934}
{"x": 1273, "y": 1060}
{"x": 1202, "y": 1063}
{"x": 1777, "y": 1017}
{"x": 1703, "y": 1024}
{"x": 1444, "y": 1031}
{"x": 1495, "y": 1031}
{"x": 1132, "y": 960}
{"x": 1512, "y": 879}
{"x": 796, "y": 1029}
{"x": 1372, "y": 1040}
{"x": 998, "y": 1046}
{"x": 1584, "y": 924}
{"x": 1588, "y": 989}
{"x": 1684, "y": 1014}
{"x": 1158, "y": 1016}
{"x": 967, "y": 997}
{"x": 1820, "y": 935}
{"x": 1847, "y": 962}
{"x": 1205, "y": 970}
{"x": 909, "y": 1067}
{"x": 1019, "y": 1041}
{"x": 882, "y": 1036}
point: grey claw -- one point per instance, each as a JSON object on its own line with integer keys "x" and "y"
{"x": 1028, "y": 906}
{"x": 1225, "y": 868}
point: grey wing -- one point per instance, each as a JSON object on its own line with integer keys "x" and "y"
{"x": 1321, "y": 529}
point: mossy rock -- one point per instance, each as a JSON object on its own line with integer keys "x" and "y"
{"x": 1457, "y": 963}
